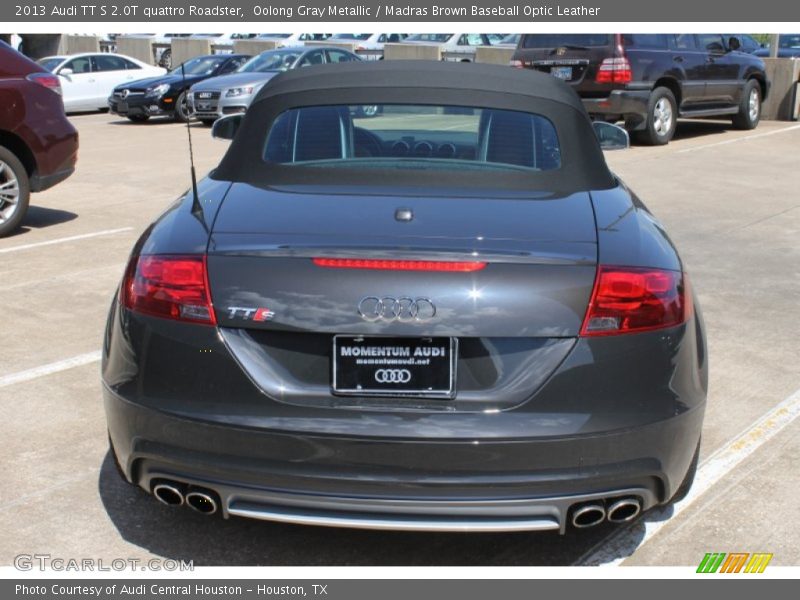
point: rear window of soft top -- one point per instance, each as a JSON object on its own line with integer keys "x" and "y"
{"x": 406, "y": 137}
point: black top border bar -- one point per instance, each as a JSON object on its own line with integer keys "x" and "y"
{"x": 406, "y": 11}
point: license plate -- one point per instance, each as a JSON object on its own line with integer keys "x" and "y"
{"x": 394, "y": 366}
{"x": 203, "y": 105}
{"x": 122, "y": 107}
{"x": 564, "y": 73}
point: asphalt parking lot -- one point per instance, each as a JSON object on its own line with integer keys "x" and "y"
{"x": 728, "y": 198}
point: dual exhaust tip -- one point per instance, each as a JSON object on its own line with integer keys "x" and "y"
{"x": 590, "y": 514}
{"x": 178, "y": 494}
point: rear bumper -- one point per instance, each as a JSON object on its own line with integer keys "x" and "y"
{"x": 39, "y": 183}
{"x": 436, "y": 484}
{"x": 628, "y": 105}
{"x": 619, "y": 416}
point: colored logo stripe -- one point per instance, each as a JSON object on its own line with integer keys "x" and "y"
{"x": 717, "y": 561}
{"x": 734, "y": 562}
{"x": 758, "y": 563}
{"x": 711, "y": 562}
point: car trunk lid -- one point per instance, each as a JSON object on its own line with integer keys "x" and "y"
{"x": 539, "y": 254}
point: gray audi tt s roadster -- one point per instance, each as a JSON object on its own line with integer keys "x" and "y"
{"x": 447, "y": 316}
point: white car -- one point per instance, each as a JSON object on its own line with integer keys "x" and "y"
{"x": 88, "y": 79}
{"x": 222, "y": 39}
{"x": 509, "y": 41}
{"x": 458, "y": 46}
{"x": 292, "y": 40}
{"x": 370, "y": 45}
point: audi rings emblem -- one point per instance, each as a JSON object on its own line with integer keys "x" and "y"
{"x": 392, "y": 375}
{"x": 403, "y": 309}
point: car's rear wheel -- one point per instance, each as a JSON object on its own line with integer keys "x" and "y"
{"x": 182, "y": 111}
{"x": 661, "y": 120}
{"x": 750, "y": 107}
{"x": 15, "y": 191}
{"x": 138, "y": 118}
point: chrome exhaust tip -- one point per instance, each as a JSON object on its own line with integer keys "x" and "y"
{"x": 624, "y": 510}
{"x": 168, "y": 493}
{"x": 201, "y": 502}
{"x": 588, "y": 515}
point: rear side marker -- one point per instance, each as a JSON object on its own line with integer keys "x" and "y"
{"x": 399, "y": 265}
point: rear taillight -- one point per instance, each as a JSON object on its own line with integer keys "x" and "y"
{"x": 629, "y": 300}
{"x": 51, "y": 82}
{"x": 614, "y": 70}
{"x": 173, "y": 287}
{"x": 399, "y": 265}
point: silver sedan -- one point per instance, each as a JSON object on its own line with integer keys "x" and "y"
{"x": 232, "y": 94}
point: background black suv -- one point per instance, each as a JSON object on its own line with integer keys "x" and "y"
{"x": 649, "y": 80}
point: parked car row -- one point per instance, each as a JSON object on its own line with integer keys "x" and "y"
{"x": 647, "y": 81}
{"x": 215, "y": 97}
{"x": 460, "y": 46}
{"x": 166, "y": 95}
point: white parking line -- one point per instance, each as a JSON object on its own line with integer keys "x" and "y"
{"x": 621, "y": 544}
{"x": 739, "y": 139}
{"x": 71, "y": 238}
{"x": 48, "y": 369}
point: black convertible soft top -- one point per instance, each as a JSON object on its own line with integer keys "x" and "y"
{"x": 420, "y": 82}
{"x": 459, "y": 77}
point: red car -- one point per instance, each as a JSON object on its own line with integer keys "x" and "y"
{"x": 38, "y": 146}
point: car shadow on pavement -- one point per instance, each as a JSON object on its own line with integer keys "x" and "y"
{"x": 181, "y": 534}
{"x": 692, "y": 128}
{"x": 39, "y": 217}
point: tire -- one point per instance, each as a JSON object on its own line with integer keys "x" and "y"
{"x": 368, "y": 111}
{"x": 207, "y": 122}
{"x": 15, "y": 191}
{"x": 138, "y": 118}
{"x": 166, "y": 60}
{"x": 749, "y": 107}
{"x": 661, "y": 118}
{"x": 688, "y": 480}
{"x": 182, "y": 113}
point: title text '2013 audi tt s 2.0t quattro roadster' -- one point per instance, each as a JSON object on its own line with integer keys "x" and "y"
{"x": 450, "y": 316}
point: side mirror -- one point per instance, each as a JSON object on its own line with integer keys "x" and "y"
{"x": 610, "y": 136}
{"x": 734, "y": 44}
{"x": 225, "y": 128}
{"x": 65, "y": 73}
